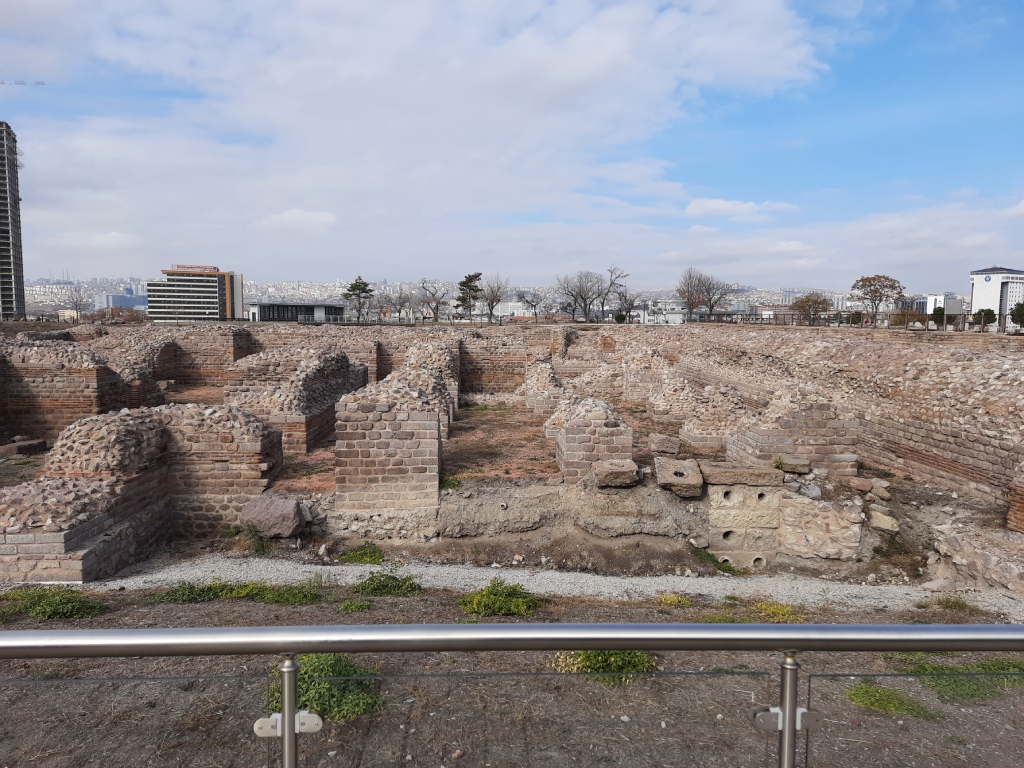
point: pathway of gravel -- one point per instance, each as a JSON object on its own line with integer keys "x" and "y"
{"x": 797, "y": 590}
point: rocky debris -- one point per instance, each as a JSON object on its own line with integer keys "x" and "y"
{"x": 664, "y": 444}
{"x": 725, "y": 473}
{"x": 275, "y": 517}
{"x": 969, "y": 555}
{"x": 798, "y": 465}
{"x": 683, "y": 478}
{"x": 121, "y": 444}
{"x": 615, "y": 473}
{"x": 938, "y": 585}
{"x": 54, "y": 504}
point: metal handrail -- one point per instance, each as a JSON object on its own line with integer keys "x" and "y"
{"x": 291, "y": 641}
{"x": 28, "y": 644}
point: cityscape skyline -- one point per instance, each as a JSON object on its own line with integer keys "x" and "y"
{"x": 768, "y": 142}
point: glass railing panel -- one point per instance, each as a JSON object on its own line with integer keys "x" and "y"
{"x": 53, "y": 719}
{"x": 551, "y": 719}
{"x": 934, "y": 718}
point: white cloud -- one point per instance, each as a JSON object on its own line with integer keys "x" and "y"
{"x": 736, "y": 209}
{"x": 1016, "y": 211}
{"x": 97, "y": 240}
{"x": 298, "y": 219}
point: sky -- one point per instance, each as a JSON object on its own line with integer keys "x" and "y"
{"x": 800, "y": 143}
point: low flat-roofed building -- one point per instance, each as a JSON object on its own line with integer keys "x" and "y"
{"x": 274, "y": 312}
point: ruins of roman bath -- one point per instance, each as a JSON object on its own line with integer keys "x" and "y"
{"x": 769, "y": 447}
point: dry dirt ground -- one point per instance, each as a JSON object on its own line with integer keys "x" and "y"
{"x": 492, "y": 709}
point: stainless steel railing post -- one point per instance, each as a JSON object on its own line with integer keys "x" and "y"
{"x": 789, "y": 679}
{"x": 289, "y": 668}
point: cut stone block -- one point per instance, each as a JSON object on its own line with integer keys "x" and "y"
{"x": 683, "y": 478}
{"x": 274, "y": 517}
{"x": 743, "y": 518}
{"x": 799, "y": 465}
{"x": 722, "y": 473}
{"x": 616, "y": 473}
{"x": 881, "y": 521}
{"x": 664, "y": 444}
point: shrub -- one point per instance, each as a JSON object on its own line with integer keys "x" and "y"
{"x": 333, "y": 699}
{"x": 49, "y": 603}
{"x": 500, "y": 599}
{"x": 609, "y": 668}
{"x": 673, "y": 601}
{"x": 887, "y": 701}
{"x": 354, "y": 606}
{"x": 449, "y": 483}
{"x": 777, "y": 613}
{"x": 366, "y": 553}
{"x": 383, "y": 584}
{"x": 953, "y": 603}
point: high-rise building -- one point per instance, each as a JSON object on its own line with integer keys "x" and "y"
{"x": 998, "y": 289}
{"x": 195, "y": 294}
{"x": 12, "y": 271}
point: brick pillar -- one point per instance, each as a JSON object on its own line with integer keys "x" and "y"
{"x": 1015, "y": 515}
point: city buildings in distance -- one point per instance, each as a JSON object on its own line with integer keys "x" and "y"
{"x": 195, "y": 294}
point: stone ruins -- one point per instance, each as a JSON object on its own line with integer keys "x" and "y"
{"x": 752, "y": 422}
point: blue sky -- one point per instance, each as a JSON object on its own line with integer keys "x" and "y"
{"x": 770, "y": 142}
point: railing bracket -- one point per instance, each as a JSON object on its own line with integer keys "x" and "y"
{"x": 270, "y": 727}
{"x": 771, "y": 719}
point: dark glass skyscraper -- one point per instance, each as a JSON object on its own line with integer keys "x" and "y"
{"x": 12, "y": 271}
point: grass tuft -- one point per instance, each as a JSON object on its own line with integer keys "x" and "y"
{"x": 449, "y": 483}
{"x": 958, "y": 684}
{"x": 366, "y": 553}
{"x": 777, "y": 613}
{"x": 50, "y": 603}
{"x": 611, "y": 668}
{"x": 383, "y": 584}
{"x": 354, "y": 606}
{"x": 257, "y": 591}
{"x": 322, "y": 692}
{"x": 709, "y": 559}
{"x": 501, "y": 599}
{"x": 673, "y": 601}
{"x": 887, "y": 701}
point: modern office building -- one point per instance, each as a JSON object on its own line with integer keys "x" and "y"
{"x": 195, "y": 294}
{"x": 12, "y": 271}
{"x": 998, "y": 289}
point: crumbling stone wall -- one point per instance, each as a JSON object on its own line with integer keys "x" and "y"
{"x": 116, "y": 485}
{"x": 588, "y": 431}
{"x": 295, "y": 389}
{"x": 799, "y": 421}
{"x": 46, "y": 385}
{"x": 542, "y": 390}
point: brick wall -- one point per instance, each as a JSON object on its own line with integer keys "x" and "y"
{"x": 590, "y": 431}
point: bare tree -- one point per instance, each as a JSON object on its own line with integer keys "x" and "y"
{"x": 713, "y": 292}
{"x": 433, "y": 296}
{"x": 689, "y": 289}
{"x": 613, "y": 285}
{"x": 77, "y": 299}
{"x": 626, "y": 302}
{"x": 493, "y": 292}
{"x": 536, "y": 300}
{"x": 584, "y": 290}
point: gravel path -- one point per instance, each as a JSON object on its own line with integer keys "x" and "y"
{"x": 163, "y": 571}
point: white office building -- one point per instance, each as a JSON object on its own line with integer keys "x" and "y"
{"x": 195, "y": 294}
{"x": 998, "y": 289}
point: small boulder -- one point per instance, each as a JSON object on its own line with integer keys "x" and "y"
{"x": 664, "y": 444}
{"x": 683, "y": 478}
{"x": 798, "y": 465}
{"x": 616, "y": 473}
{"x": 861, "y": 484}
{"x": 938, "y": 585}
{"x": 881, "y": 521}
{"x": 810, "y": 491}
{"x": 274, "y": 516}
